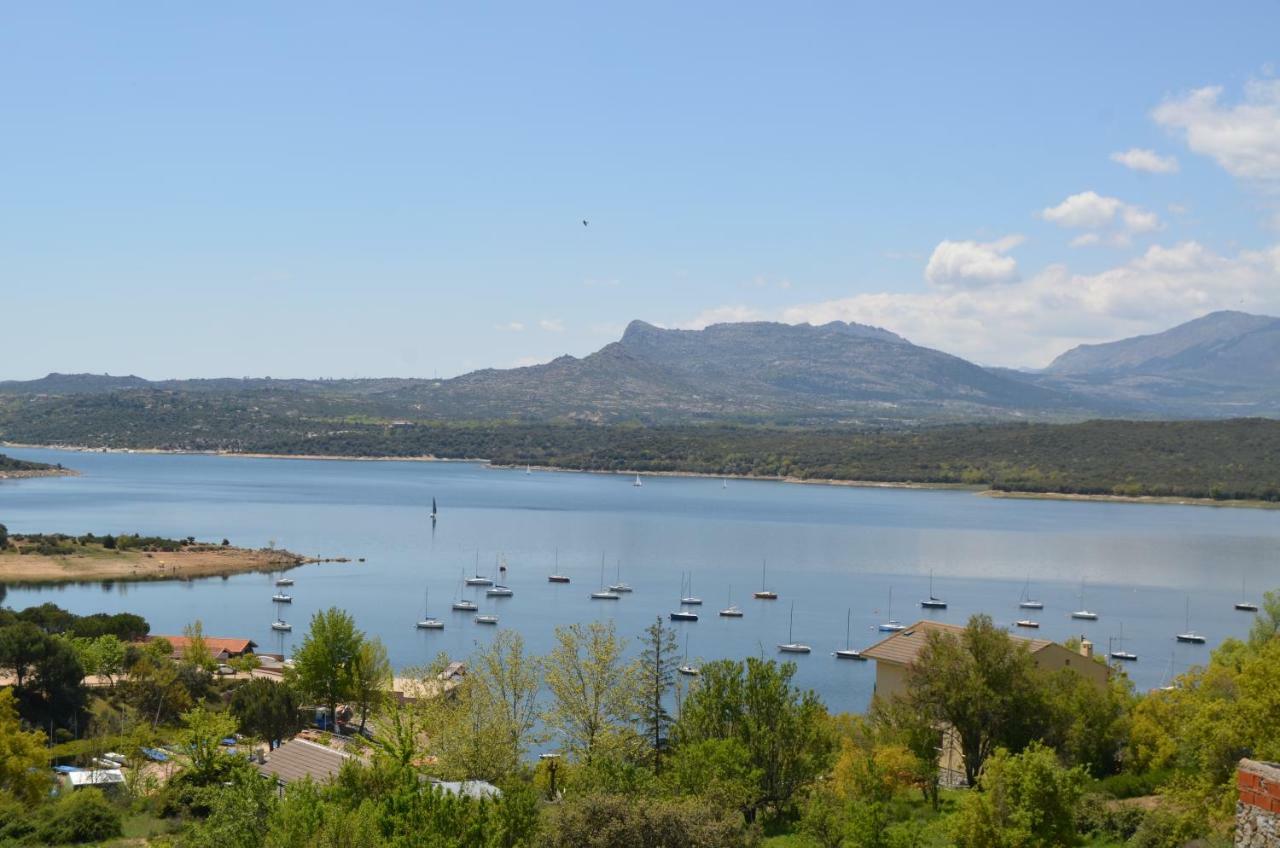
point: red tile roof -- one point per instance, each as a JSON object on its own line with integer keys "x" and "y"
{"x": 215, "y": 644}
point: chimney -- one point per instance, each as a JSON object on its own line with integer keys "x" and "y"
{"x": 1086, "y": 648}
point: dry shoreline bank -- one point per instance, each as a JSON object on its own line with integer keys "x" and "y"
{"x": 136, "y": 565}
{"x": 1172, "y": 500}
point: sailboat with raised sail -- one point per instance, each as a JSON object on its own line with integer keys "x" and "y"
{"x": 684, "y": 667}
{"x": 604, "y": 594}
{"x": 933, "y": 601}
{"x": 1188, "y": 635}
{"x": 1025, "y": 601}
{"x": 433, "y": 509}
{"x": 637, "y": 482}
{"x": 428, "y": 622}
{"x": 765, "y": 593}
{"x": 733, "y": 610}
{"x": 791, "y": 646}
{"x": 1244, "y": 604}
{"x": 1117, "y": 650}
{"x": 1084, "y": 613}
{"x": 848, "y": 652}
{"x": 892, "y": 625}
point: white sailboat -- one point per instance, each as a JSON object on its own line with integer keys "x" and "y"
{"x": 618, "y": 585}
{"x": 892, "y": 625}
{"x": 281, "y": 598}
{"x": 791, "y": 646}
{"x": 848, "y": 652}
{"x": 528, "y": 469}
{"x": 765, "y": 594}
{"x": 932, "y": 602}
{"x": 284, "y": 581}
{"x": 637, "y": 482}
{"x": 684, "y": 668}
{"x": 1084, "y": 613}
{"x": 733, "y": 610}
{"x": 604, "y": 594}
{"x": 281, "y": 625}
{"x": 1028, "y": 623}
{"x": 479, "y": 579}
{"x": 486, "y": 618}
{"x": 690, "y": 599}
{"x": 1025, "y": 601}
{"x": 463, "y": 604}
{"x": 427, "y": 622}
{"x": 1120, "y": 653}
{"x": 1244, "y": 604}
{"x": 1188, "y": 635}
{"x": 682, "y": 614}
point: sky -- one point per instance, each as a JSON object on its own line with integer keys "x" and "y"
{"x": 399, "y": 189}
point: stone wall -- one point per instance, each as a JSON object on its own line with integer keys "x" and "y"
{"x": 1258, "y": 807}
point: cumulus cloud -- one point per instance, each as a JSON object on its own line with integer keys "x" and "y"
{"x": 1089, "y": 210}
{"x": 1028, "y": 322}
{"x": 1244, "y": 138}
{"x": 1142, "y": 159}
{"x": 551, "y": 325}
{"x": 969, "y": 264}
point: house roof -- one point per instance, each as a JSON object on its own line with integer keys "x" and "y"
{"x": 299, "y": 758}
{"x": 216, "y": 644}
{"x": 904, "y": 646}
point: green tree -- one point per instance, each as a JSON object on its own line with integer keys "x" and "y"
{"x": 656, "y": 674}
{"x": 785, "y": 730}
{"x": 370, "y": 678}
{"x": 609, "y": 821}
{"x": 1266, "y": 624}
{"x": 508, "y": 680}
{"x": 197, "y": 654}
{"x": 80, "y": 816}
{"x": 153, "y": 686}
{"x": 4, "y": 537}
{"x": 21, "y": 646}
{"x": 23, "y": 758}
{"x": 592, "y": 690}
{"x": 1088, "y": 726}
{"x": 202, "y": 735}
{"x": 323, "y": 665}
{"x": 238, "y": 817}
{"x": 984, "y": 685}
{"x": 266, "y": 709}
{"x": 1027, "y": 800}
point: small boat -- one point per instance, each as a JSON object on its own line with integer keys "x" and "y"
{"x": 1167, "y": 683}
{"x": 724, "y": 484}
{"x": 1244, "y": 605}
{"x": 690, "y": 600}
{"x": 479, "y": 579}
{"x": 1118, "y": 653}
{"x": 932, "y": 602}
{"x": 619, "y": 586}
{"x": 498, "y": 591}
{"x": 892, "y": 625}
{"x": 461, "y": 604}
{"x": 557, "y": 577}
{"x": 1084, "y": 614}
{"x": 684, "y": 667}
{"x": 282, "y": 626}
{"x": 733, "y": 610}
{"x": 433, "y": 510}
{"x": 1026, "y": 622}
{"x": 1025, "y": 601}
{"x": 1190, "y": 636}
{"x": 486, "y": 618}
{"x": 427, "y": 622}
{"x": 604, "y": 594}
{"x": 791, "y": 646}
{"x": 684, "y": 615}
{"x": 528, "y": 469}
{"x": 848, "y": 652}
{"x": 637, "y": 482}
{"x": 764, "y": 594}
{"x": 281, "y": 598}
{"x": 284, "y": 581}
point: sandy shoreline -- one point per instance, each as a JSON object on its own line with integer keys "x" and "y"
{"x": 861, "y": 484}
{"x": 133, "y": 565}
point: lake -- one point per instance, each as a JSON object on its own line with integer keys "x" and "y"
{"x": 830, "y": 549}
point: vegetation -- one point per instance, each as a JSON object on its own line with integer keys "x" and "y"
{"x": 9, "y": 465}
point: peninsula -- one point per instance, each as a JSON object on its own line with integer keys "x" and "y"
{"x": 11, "y": 468}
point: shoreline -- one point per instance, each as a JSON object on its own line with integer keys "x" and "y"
{"x": 977, "y": 489}
{"x": 137, "y": 566}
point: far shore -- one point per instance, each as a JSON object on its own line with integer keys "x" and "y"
{"x": 136, "y": 565}
{"x": 978, "y": 489}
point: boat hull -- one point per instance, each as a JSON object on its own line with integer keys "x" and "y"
{"x": 1191, "y": 638}
{"x": 1246, "y": 607}
{"x": 557, "y": 578}
{"x": 849, "y": 654}
{"x": 1084, "y": 616}
{"x": 1124, "y": 656}
{"x": 431, "y": 624}
{"x": 731, "y": 613}
{"x": 794, "y": 649}
{"x": 765, "y": 596}
{"x": 684, "y": 616}
{"x": 1028, "y": 623}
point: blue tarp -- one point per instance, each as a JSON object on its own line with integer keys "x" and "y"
{"x": 155, "y": 754}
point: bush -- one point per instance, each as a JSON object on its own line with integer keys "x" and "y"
{"x": 84, "y": 815}
{"x": 1165, "y": 827}
{"x": 1127, "y": 785}
{"x": 604, "y": 821}
{"x": 1098, "y": 815}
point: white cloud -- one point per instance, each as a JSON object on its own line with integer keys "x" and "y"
{"x": 967, "y": 264}
{"x": 722, "y": 315}
{"x": 510, "y": 327}
{"x": 1029, "y": 322}
{"x": 1089, "y": 210}
{"x": 1142, "y": 159}
{"x": 1243, "y": 138}
{"x": 551, "y": 325}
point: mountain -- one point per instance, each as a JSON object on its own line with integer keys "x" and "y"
{"x": 73, "y": 384}
{"x": 1221, "y": 364}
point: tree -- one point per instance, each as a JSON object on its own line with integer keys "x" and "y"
{"x": 197, "y": 654}
{"x": 982, "y": 684}
{"x": 591, "y": 689}
{"x": 785, "y": 730}
{"x": 238, "y": 817}
{"x": 1266, "y": 625}
{"x": 153, "y": 686}
{"x": 21, "y": 645}
{"x": 56, "y": 689}
{"x": 23, "y": 759}
{"x": 1088, "y": 726}
{"x": 4, "y": 537}
{"x": 102, "y": 656}
{"x": 605, "y": 821}
{"x": 267, "y": 710}
{"x": 202, "y": 737}
{"x": 1028, "y": 801}
{"x": 656, "y": 673}
{"x": 323, "y": 664}
{"x": 370, "y": 678}
{"x": 81, "y": 816}
{"x": 508, "y": 681}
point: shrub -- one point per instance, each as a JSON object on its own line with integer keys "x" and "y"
{"x": 81, "y": 816}
{"x": 1100, "y": 816}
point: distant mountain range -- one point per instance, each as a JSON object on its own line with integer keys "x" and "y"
{"x": 1224, "y": 364}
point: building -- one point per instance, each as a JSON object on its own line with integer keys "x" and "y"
{"x": 300, "y": 758}
{"x": 222, "y": 649}
{"x": 1258, "y": 805}
{"x": 895, "y": 654}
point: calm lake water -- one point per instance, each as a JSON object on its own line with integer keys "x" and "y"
{"x": 829, "y": 549}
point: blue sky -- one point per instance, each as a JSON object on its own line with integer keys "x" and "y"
{"x": 320, "y": 190}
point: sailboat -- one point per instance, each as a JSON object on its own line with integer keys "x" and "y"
{"x": 427, "y": 622}
{"x": 724, "y": 483}
{"x": 486, "y": 618}
{"x": 932, "y": 602}
{"x": 556, "y": 576}
{"x": 1167, "y": 683}
{"x": 1243, "y": 605}
{"x": 892, "y": 625}
{"x": 528, "y": 469}
{"x": 1119, "y": 653}
{"x": 462, "y": 604}
{"x": 683, "y": 614}
{"x": 733, "y": 610}
{"x": 281, "y": 625}
{"x": 764, "y": 594}
{"x": 604, "y": 594}
{"x": 479, "y": 579}
{"x": 1029, "y": 623}
{"x": 848, "y": 652}
{"x": 637, "y": 482}
{"x": 619, "y": 586}
{"x": 791, "y": 646}
{"x": 1190, "y": 636}
{"x": 1025, "y": 601}
{"x": 1084, "y": 614}
{"x": 281, "y": 598}
{"x": 684, "y": 668}
{"x": 433, "y": 509}
{"x": 284, "y": 581}
{"x": 690, "y": 600}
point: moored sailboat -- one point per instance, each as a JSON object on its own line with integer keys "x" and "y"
{"x": 848, "y": 652}
{"x": 1084, "y": 613}
{"x": 428, "y": 622}
{"x": 733, "y": 610}
{"x": 1025, "y": 601}
{"x": 765, "y": 593}
{"x": 932, "y": 602}
{"x": 1189, "y": 636}
{"x": 892, "y": 625}
{"x": 791, "y": 646}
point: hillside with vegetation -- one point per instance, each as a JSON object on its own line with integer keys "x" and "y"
{"x": 10, "y": 467}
